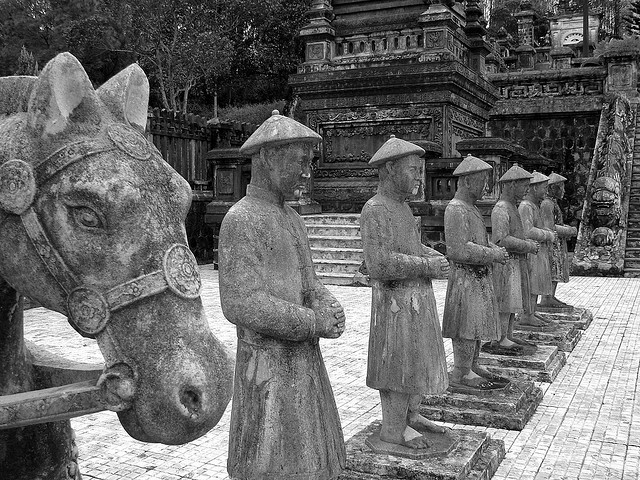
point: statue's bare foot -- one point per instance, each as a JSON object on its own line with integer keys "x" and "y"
{"x": 550, "y": 301}
{"x": 540, "y": 317}
{"x": 532, "y": 321}
{"x": 418, "y": 422}
{"x": 506, "y": 343}
{"x": 409, "y": 438}
{"x": 473, "y": 380}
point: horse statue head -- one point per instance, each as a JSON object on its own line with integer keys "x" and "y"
{"x": 92, "y": 226}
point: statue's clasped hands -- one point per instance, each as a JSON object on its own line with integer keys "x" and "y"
{"x": 502, "y": 256}
{"x": 535, "y": 246}
{"x": 330, "y": 320}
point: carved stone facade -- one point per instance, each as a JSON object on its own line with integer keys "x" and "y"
{"x": 373, "y": 69}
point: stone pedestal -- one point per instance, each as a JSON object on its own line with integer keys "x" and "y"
{"x": 581, "y": 318}
{"x": 563, "y": 335}
{"x": 541, "y": 366}
{"x": 509, "y": 408}
{"x": 474, "y": 456}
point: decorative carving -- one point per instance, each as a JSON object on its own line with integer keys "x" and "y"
{"x": 343, "y": 173}
{"x": 129, "y": 141}
{"x": 434, "y": 39}
{"x": 88, "y": 311}
{"x": 315, "y": 51}
{"x": 600, "y": 240}
{"x": 552, "y": 89}
{"x": 340, "y": 141}
{"x": 17, "y": 186}
{"x": 181, "y": 272}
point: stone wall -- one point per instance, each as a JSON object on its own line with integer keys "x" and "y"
{"x": 567, "y": 139}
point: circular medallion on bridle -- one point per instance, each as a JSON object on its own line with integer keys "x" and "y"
{"x": 181, "y": 272}
{"x": 88, "y": 311}
{"x": 17, "y": 186}
{"x": 129, "y": 141}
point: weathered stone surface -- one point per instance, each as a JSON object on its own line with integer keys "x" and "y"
{"x": 284, "y": 421}
{"x": 541, "y": 366}
{"x": 510, "y": 409}
{"x": 93, "y": 227}
{"x": 565, "y": 336}
{"x": 580, "y": 317}
{"x": 476, "y": 456}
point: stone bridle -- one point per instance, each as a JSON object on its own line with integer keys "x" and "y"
{"x": 88, "y": 310}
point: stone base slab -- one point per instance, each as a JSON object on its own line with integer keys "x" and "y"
{"x": 564, "y": 336}
{"x": 440, "y": 444}
{"x": 509, "y": 409}
{"x": 580, "y": 317}
{"x": 541, "y": 366}
{"x": 475, "y": 457}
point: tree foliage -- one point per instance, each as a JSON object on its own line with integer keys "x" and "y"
{"x": 241, "y": 50}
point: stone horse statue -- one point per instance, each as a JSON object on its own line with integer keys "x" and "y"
{"x": 92, "y": 226}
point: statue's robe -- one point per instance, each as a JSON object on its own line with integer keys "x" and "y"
{"x": 284, "y": 421}
{"x": 471, "y": 309}
{"x": 511, "y": 280}
{"x": 552, "y": 219}
{"x": 539, "y": 265}
{"x": 406, "y": 351}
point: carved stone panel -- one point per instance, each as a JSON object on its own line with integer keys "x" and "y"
{"x": 347, "y": 143}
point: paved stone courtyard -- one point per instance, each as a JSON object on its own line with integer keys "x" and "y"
{"x": 587, "y": 427}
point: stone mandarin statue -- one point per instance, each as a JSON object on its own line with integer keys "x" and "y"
{"x": 406, "y": 352}
{"x": 471, "y": 310}
{"x": 284, "y": 421}
{"x": 511, "y": 280}
{"x": 552, "y": 219}
{"x": 539, "y": 263}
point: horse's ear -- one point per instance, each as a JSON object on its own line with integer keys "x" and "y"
{"x": 62, "y": 89}
{"x": 126, "y": 95}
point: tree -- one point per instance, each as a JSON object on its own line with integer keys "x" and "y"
{"x": 27, "y": 64}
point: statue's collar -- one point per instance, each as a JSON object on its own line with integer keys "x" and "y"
{"x": 392, "y": 193}
{"x": 264, "y": 194}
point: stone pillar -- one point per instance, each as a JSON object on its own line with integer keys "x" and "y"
{"x": 439, "y": 24}
{"x": 318, "y": 35}
{"x": 526, "y": 52}
{"x": 561, "y": 57}
{"x": 475, "y": 31}
{"x": 231, "y": 174}
{"x": 622, "y": 72}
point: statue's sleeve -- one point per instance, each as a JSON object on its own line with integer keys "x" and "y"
{"x": 565, "y": 231}
{"x": 244, "y": 293}
{"x": 430, "y": 252}
{"x": 500, "y": 232}
{"x": 530, "y": 230}
{"x": 457, "y": 234}
{"x": 547, "y": 216}
{"x": 382, "y": 261}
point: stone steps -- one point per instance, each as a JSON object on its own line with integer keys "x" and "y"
{"x": 336, "y": 246}
{"x": 337, "y": 253}
{"x": 632, "y": 246}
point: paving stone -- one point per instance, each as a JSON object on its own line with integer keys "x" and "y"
{"x": 593, "y": 402}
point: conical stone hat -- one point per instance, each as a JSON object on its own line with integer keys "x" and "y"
{"x": 538, "y": 178}
{"x": 394, "y": 149}
{"x": 515, "y": 173}
{"x": 471, "y": 164}
{"x": 278, "y": 130}
{"x": 556, "y": 178}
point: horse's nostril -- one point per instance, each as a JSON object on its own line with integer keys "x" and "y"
{"x": 191, "y": 398}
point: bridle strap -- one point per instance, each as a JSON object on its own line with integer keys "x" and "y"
{"x": 87, "y": 309}
{"x": 49, "y": 255}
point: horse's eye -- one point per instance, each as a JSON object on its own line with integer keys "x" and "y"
{"x": 87, "y": 217}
